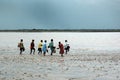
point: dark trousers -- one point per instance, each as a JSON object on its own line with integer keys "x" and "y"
{"x": 21, "y": 50}
{"x": 67, "y": 49}
{"x": 52, "y": 52}
{"x": 32, "y": 49}
{"x": 39, "y": 50}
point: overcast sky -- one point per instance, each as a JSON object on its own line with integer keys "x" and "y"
{"x": 60, "y": 14}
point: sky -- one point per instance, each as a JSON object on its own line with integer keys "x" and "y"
{"x": 59, "y": 14}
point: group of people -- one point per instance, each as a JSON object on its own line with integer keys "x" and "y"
{"x": 43, "y": 48}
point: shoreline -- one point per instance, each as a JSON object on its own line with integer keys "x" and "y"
{"x": 62, "y": 30}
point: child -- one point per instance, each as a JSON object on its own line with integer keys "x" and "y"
{"x": 21, "y": 46}
{"x": 61, "y": 47}
{"x": 32, "y": 47}
{"x": 40, "y": 47}
{"x": 44, "y": 48}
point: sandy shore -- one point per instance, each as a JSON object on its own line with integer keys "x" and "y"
{"x": 69, "y": 67}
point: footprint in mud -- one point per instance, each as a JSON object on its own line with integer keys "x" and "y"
{"x": 30, "y": 75}
{"x": 73, "y": 79}
{"x": 24, "y": 73}
{"x": 37, "y": 75}
{"x": 49, "y": 69}
{"x": 78, "y": 79}
{"x": 20, "y": 79}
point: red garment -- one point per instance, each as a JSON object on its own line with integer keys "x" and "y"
{"x": 32, "y": 45}
{"x": 61, "y": 48}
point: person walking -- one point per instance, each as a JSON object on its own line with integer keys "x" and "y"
{"x": 40, "y": 47}
{"x": 21, "y": 46}
{"x": 44, "y": 48}
{"x": 32, "y": 47}
{"x": 51, "y": 46}
{"x": 66, "y": 46}
{"x": 61, "y": 47}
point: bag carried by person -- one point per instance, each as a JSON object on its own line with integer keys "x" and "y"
{"x": 18, "y": 44}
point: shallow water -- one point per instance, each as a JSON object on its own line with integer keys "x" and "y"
{"x": 86, "y": 64}
{"x": 79, "y": 42}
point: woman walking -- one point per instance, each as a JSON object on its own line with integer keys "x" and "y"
{"x": 61, "y": 47}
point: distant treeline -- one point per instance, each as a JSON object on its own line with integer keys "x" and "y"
{"x": 62, "y": 30}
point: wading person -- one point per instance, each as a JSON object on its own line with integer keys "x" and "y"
{"x": 66, "y": 46}
{"x": 51, "y": 46}
{"x": 61, "y": 47}
{"x": 32, "y": 47}
{"x": 21, "y": 46}
{"x": 44, "y": 48}
{"x": 40, "y": 47}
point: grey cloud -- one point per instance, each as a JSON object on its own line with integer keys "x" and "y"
{"x": 59, "y": 14}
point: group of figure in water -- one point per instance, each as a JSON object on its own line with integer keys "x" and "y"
{"x": 43, "y": 48}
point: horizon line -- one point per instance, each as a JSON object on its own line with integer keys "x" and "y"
{"x": 60, "y": 30}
